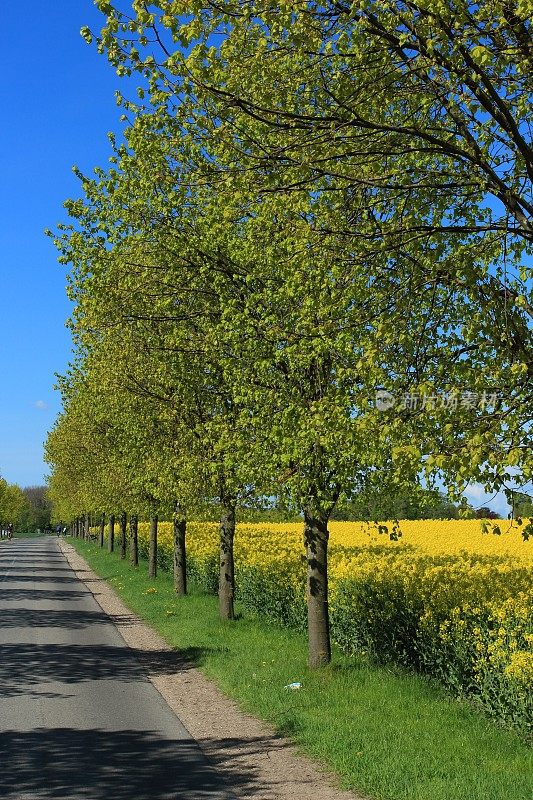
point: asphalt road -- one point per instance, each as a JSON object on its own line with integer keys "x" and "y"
{"x": 78, "y": 717}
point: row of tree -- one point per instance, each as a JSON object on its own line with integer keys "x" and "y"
{"x": 129, "y": 540}
{"x": 304, "y": 274}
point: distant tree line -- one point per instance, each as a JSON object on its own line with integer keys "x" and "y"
{"x": 28, "y": 509}
{"x": 410, "y": 502}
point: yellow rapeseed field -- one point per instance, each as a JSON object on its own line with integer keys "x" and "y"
{"x": 431, "y": 537}
{"x": 445, "y": 598}
{"x": 438, "y": 537}
{"x": 258, "y": 541}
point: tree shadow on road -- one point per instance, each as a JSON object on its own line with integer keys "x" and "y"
{"x": 42, "y": 578}
{"x": 50, "y": 618}
{"x": 37, "y": 595}
{"x": 97, "y": 764}
{"x": 8, "y": 556}
{"x": 24, "y": 667}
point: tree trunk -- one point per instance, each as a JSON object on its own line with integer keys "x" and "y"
{"x": 226, "y": 582}
{"x": 180, "y": 556}
{"x": 86, "y": 528}
{"x": 111, "y": 534}
{"x": 101, "y": 531}
{"x": 134, "y": 545}
{"x": 152, "y": 554}
{"x": 316, "y": 548}
{"x": 123, "y": 523}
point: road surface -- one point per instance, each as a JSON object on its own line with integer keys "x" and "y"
{"x": 79, "y": 720}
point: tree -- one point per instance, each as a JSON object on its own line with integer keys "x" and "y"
{"x": 485, "y": 513}
{"x": 39, "y": 508}
{"x": 522, "y": 504}
{"x": 13, "y": 506}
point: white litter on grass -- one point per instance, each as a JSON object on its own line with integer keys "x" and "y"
{"x": 295, "y": 685}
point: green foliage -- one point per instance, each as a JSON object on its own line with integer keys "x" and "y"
{"x": 29, "y": 509}
{"x": 38, "y": 512}
{"x": 522, "y": 504}
{"x": 13, "y": 505}
{"x": 329, "y": 86}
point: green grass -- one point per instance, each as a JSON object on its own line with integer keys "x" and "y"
{"x": 387, "y": 734}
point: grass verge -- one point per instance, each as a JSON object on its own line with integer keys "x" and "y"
{"x": 386, "y": 734}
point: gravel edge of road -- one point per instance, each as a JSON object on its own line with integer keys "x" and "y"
{"x": 235, "y": 743}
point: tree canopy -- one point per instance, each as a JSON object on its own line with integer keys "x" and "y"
{"x": 305, "y": 271}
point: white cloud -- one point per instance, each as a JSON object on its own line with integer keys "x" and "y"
{"x": 41, "y": 404}
{"x": 478, "y": 497}
{"x": 476, "y": 492}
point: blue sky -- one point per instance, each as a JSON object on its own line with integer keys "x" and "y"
{"x": 58, "y": 99}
